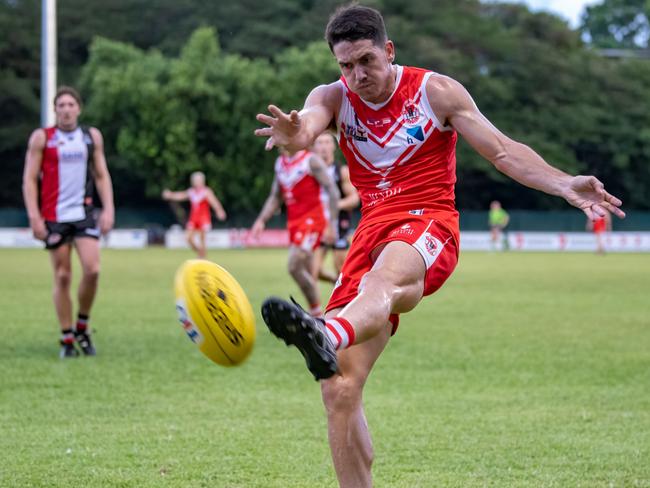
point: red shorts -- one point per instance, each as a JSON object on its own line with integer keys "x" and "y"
{"x": 600, "y": 226}
{"x": 306, "y": 233}
{"x": 435, "y": 242}
{"x": 199, "y": 224}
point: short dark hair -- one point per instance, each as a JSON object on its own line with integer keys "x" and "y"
{"x": 67, "y": 90}
{"x": 353, "y": 23}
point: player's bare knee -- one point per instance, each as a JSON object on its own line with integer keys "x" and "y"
{"x": 62, "y": 277}
{"x": 91, "y": 272}
{"x": 403, "y": 296}
{"x": 379, "y": 282}
{"x": 341, "y": 394}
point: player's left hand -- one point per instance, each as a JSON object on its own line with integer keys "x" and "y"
{"x": 106, "y": 221}
{"x": 221, "y": 215}
{"x": 588, "y": 194}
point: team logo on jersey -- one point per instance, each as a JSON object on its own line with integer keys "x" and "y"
{"x": 411, "y": 112}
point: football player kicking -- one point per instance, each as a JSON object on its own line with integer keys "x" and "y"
{"x": 310, "y": 195}
{"x": 397, "y": 128}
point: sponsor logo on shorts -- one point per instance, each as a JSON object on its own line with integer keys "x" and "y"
{"x": 92, "y": 231}
{"x": 432, "y": 244}
{"x": 406, "y": 229}
{"x": 54, "y": 239}
{"x": 429, "y": 247}
{"x": 309, "y": 241}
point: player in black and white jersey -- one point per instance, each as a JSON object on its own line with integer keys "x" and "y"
{"x": 67, "y": 161}
{"x": 325, "y": 147}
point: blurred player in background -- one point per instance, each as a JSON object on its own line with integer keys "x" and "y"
{"x": 310, "y": 195}
{"x": 397, "y": 129}
{"x": 201, "y": 198}
{"x": 498, "y": 219}
{"x": 599, "y": 227}
{"x": 68, "y": 161}
{"x": 325, "y": 147}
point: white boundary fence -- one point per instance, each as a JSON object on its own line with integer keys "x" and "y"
{"x": 469, "y": 241}
{"x": 116, "y": 239}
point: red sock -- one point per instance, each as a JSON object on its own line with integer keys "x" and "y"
{"x": 82, "y": 323}
{"x": 67, "y": 336}
{"x": 340, "y": 332}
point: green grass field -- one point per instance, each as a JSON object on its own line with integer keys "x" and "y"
{"x": 525, "y": 370}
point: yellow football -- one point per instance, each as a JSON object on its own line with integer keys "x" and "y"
{"x": 214, "y": 312}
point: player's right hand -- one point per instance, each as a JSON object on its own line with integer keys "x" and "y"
{"x": 282, "y": 128}
{"x": 257, "y": 229}
{"x": 166, "y": 194}
{"x": 329, "y": 234}
{"x": 38, "y": 228}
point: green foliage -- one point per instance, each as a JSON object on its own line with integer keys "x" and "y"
{"x": 171, "y": 116}
{"x": 618, "y": 23}
{"x": 168, "y": 105}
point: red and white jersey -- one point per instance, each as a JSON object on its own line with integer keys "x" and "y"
{"x": 303, "y": 195}
{"x": 199, "y": 205}
{"x": 66, "y": 176}
{"x": 401, "y": 158}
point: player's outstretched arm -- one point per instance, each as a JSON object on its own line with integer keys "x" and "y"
{"x": 32, "y": 170}
{"x": 103, "y": 183}
{"x": 453, "y": 105}
{"x": 271, "y": 205}
{"x": 298, "y": 130}
{"x": 216, "y": 205}
{"x": 318, "y": 170}
{"x": 175, "y": 196}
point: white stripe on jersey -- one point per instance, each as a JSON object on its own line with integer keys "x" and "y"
{"x": 73, "y": 165}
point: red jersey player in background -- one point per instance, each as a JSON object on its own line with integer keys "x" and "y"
{"x": 325, "y": 147}
{"x": 599, "y": 227}
{"x": 397, "y": 127}
{"x": 68, "y": 160}
{"x": 201, "y": 198}
{"x": 310, "y": 195}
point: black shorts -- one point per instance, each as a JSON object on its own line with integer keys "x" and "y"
{"x": 59, "y": 233}
{"x": 342, "y": 243}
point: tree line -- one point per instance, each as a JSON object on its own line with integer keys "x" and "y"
{"x": 176, "y": 87}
